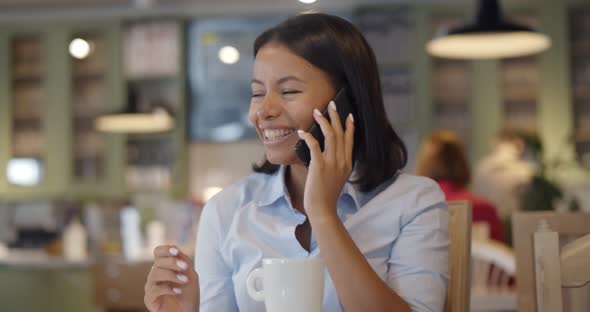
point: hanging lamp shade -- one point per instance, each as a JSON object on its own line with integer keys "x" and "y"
{"x": 133, "y": 120}
{"x": 488, "y": 36}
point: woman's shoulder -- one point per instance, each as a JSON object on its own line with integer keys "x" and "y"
{"x": 412, "y": 195}
{"x": 415, "y": 187}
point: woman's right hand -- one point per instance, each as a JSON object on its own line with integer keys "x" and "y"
{"x": 172, "y": 284}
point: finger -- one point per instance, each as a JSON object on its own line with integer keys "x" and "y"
{"x": 314, "y": 147}
{"x": 166, "y": 251}
{"x": 337, "y": 127}
{"x": 349, "y": 139}
{"x": 157, "y": 291}
{"x": 329, "y": 140}
{"x": 159, "y": 275}
{"x": 172, "y": 263}
{"x": 173, "y": 251}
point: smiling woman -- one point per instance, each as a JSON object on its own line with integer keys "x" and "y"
{"x": 382, "y": 234}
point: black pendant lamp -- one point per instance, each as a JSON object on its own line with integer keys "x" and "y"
{"x": 134, "y": 120}
{"x": 489, "y": 35}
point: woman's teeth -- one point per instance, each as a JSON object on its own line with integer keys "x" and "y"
{"x": 275, "y": 134}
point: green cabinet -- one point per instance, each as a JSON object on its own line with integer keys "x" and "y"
{"x": 44, "y": 289}
{"x": 31, "y": 113}
{"x": 49, "y": 97}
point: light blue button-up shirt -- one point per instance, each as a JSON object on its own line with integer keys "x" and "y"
{"x": 401, "y": 228}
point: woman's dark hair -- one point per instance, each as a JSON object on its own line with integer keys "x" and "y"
{"x": 442, "y": 157}
{"x": 336, "y": 47}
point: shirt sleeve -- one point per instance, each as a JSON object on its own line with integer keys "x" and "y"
{"x": 215, "y": 275}
{"x": 419, "y": 261}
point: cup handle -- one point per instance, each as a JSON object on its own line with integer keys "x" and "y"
{"x": 255, "y": 275}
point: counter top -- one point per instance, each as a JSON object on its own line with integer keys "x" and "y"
{"x": 38, "y": 259}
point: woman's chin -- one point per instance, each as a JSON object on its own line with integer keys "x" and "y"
{"x": 282, "y": 159}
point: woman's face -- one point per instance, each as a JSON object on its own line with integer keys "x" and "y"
{"x": 285, "y": 91}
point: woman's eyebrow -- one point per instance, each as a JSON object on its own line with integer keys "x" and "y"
{"x": 289, "y": 78}
{"x": 280, "y": 81}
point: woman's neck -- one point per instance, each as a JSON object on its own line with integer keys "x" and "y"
{"x": 295, "y": 180}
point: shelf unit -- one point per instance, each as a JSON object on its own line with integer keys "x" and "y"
{"x": 153, "y": 68}
{"x": 451, "y": 84}
{"x": 25, "y": 167}
{"x": 580, "y": 73}
{"x": 88, "y": 90}
{"x": 520, "y": 86}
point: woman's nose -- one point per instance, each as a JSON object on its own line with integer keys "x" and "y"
{"x": 268, "y": 108}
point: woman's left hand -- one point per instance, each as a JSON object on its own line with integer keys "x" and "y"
{"x": 328, "y": 170}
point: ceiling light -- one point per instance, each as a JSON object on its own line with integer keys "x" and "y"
{"x": 229, "y": 55}
{"x": 488, "y": 36}
{"x": 307, "y": 1}
{"x": 79, "y": 48}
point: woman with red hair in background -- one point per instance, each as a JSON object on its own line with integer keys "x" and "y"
{"x": 442, "y": 158}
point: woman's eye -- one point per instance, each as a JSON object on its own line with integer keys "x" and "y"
{"x": 287, "y": 92}
{"x": 254, "y": 94}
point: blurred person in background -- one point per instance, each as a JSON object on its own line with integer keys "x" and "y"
{"x": 502, "y": 176}
{"x": 442, "y": 157}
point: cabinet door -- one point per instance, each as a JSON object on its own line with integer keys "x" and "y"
{"x": 94, "y": 88}
{"x": 154, "y": 70}
{"x": 580, "y": 69}
{"x": 24, "y": 101}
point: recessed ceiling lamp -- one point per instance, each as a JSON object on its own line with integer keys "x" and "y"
{"x": 79, "y": 48}
{"x": 488, "y": 36}
{"x": 307, "y": 1}
{"x": 132, "y": 120}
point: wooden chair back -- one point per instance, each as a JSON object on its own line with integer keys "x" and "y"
{"x": 555, "y": 269}
{"x": 458, "y": 294}
{"x": 524, "y": 226}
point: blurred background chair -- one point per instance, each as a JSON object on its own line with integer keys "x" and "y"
{"x": 493, "y": 272}
{"x": 524, "y": 225}
{"x": 555, "y": 269}
{"x": 459, "y": 256}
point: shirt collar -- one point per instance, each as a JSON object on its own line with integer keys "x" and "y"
{"x": 277, "y": 188}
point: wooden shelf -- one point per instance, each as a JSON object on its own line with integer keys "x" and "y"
{"x": 154, "y": 78}
{"x": 27, "y": 79}
{"x": 83, "y": 77}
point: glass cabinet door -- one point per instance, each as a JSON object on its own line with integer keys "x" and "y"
{"x": 25, "y": 166}
{"x": 88, "y": 90}
{"x": 580, "y": 69}
{"x": 152, "y": 71}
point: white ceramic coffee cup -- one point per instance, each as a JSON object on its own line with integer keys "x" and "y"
{"x": 289, "y": 285}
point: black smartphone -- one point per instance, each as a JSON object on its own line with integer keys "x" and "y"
{"x": 343, "y": 107}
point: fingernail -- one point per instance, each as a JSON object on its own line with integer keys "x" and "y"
{"x": 182, "y": 278}
{"x": 173, "y": 251}
{"x": 332, "y": 105}
{"x": 300, "y": 132}
{"x": 181, "y": 264}
{"x": 351, "y": 117}
{"x": 177, "y": 290}
{"x": 317, "y": 112}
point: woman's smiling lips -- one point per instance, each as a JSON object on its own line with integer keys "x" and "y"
{"x": 272, "y": 136}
